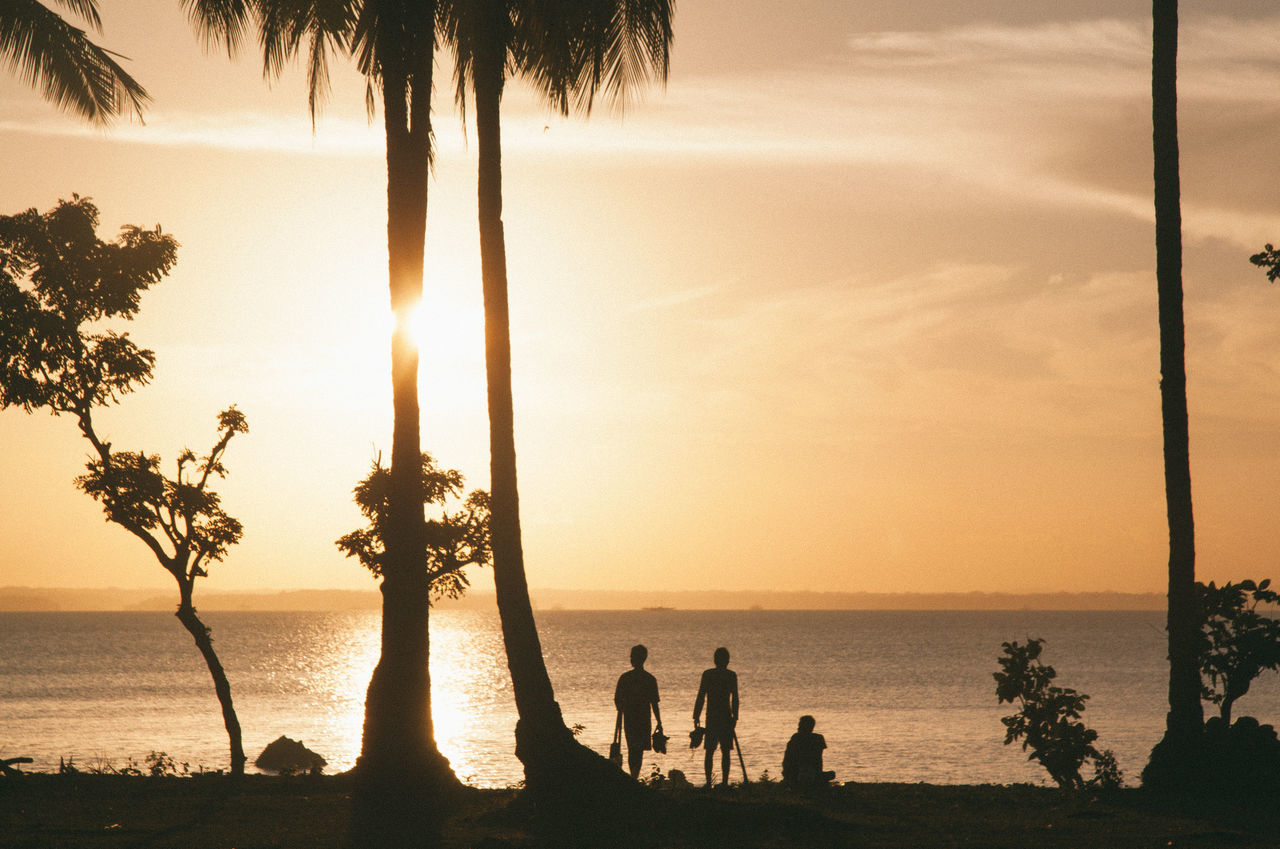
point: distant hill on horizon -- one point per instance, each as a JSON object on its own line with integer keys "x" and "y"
{"x": 114, "y": 598}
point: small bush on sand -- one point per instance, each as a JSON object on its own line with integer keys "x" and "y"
{"x": 1048, "y": 720}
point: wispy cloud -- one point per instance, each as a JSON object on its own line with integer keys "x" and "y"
{"x": 241, "y": 131}
{"x": 1036, "y": 111}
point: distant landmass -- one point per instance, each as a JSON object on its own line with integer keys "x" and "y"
{"x": 32, "y": 598}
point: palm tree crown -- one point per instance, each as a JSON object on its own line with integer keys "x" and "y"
{"x": 568, "y": 50}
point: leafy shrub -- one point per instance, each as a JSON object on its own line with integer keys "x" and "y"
{"x": 160, "y": 764}
{"x": 1239, "y": 642}
{"x": 1048, "y": 720}
{"x": 1107, "y": 774}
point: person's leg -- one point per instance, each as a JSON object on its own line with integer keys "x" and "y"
{"x": 635, "y": 757}
{"x": 708, "y": 762}
{"x": 726, "y": 758}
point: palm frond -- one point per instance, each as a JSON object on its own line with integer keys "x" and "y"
{"x": 219, "y": 21}
{"x": 84, "y": 9}
{"x": 572, "y": 50}
{"x": 70, "y": 70}
{"x": 286, "y": 27}
{"x": 469, "y": 28}
{"x": 629, "y": 46}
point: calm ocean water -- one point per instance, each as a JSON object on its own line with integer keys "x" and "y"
{"x": 900, "y": 696}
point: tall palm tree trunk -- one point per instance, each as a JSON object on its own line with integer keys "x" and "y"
{"x": 535, "y": 699}
{"x": 403, "y": 777}
{"x": 558, "y": 770}
{"x": 398, "y": 728}
{"x": 1185, "y": 718}
{"x": 186, "y": 614}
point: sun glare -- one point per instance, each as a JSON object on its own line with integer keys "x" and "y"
{"x": 449, "y": 333}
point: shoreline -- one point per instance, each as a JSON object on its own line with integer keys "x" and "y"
{"x": 311, "y": 812}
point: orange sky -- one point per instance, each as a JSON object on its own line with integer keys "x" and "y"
{"x": 863, "y": 301}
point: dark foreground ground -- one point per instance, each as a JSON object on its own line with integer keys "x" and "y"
{"x": 266, "y": 812}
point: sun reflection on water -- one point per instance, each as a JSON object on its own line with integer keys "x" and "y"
{"x": 469, "y": 688}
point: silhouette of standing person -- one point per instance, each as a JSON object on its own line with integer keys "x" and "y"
{"x": 719, "y": 691}
{"x": 635, "y": 695}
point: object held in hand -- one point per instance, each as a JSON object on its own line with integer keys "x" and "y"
{"x": 695, "y": 736}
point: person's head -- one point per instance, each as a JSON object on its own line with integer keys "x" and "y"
{"x": 639, "y": 654}
{"x": 721, "y": 657}
{"x": 807, "y": 724}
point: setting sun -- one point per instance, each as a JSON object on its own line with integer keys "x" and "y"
{"x": 448, "y": 333}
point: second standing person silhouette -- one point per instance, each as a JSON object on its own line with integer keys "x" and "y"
{"x": 719, "y": 691}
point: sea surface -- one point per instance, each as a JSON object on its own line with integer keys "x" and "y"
{"x": 900, "y": 696}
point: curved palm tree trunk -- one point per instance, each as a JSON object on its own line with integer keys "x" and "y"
{"x": 186, "y": 614}
{"x": 558, "y": 770}
{"x": 1186, "y": 714}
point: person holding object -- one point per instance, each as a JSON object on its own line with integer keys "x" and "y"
{"x": 635, "y": 695}
{"x": 718, "y": 690}
{"x": 802, "y": 762}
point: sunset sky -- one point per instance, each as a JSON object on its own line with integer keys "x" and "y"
{"x": 864, "y": 300}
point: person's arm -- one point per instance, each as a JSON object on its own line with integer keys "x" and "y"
{"x": 617, "y": 695}
{"x": 657, "y": 714}
{"x": 733, "y": 699}
{"x": 697, "y": 705}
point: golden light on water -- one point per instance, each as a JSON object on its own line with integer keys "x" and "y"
{"x": 468, "y": 681}
{"x": 354, "y": 654}
{"x": 469, "y": 691}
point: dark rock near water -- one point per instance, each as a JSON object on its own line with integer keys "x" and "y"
{"x": 284, "y": 755}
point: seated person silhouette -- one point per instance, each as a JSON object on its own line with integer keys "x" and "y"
{"x": 802, "y": 763}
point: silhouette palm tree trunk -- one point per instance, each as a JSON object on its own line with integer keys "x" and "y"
{"x": 1185, "y": 718}
{"x": 397, "y": 723}
{"x": 557, "y": 768}
{"x": 402, "y": 776}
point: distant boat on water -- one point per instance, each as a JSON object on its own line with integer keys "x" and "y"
{"x": 657, "y": 607}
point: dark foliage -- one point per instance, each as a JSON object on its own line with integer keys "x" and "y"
{"x": 454, "y": 540}
{"x": 58, "y": 284}
{"x": 1240, "y": 642}
{"x": 57, "y": 281}
{"x": 1268, "y": 258}
{"x": 57, "y": 57}
{"x": 1048, "y": 721}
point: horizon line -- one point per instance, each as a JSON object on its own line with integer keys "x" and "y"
{"x": 88, "y": 599}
